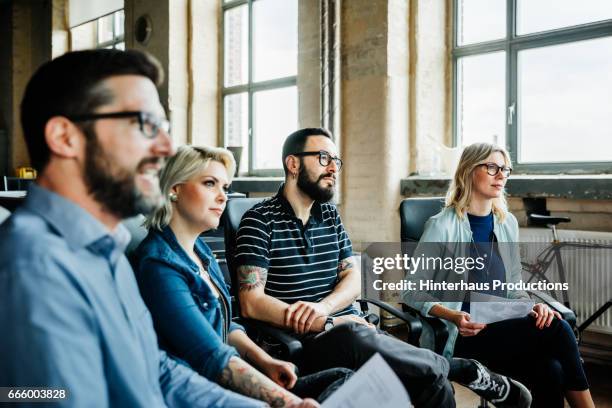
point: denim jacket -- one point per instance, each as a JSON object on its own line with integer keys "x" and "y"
{"x": 187, "y": 316}
{"x": 453, "y": 232}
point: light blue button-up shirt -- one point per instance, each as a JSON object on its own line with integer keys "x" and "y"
{"x": 71, "y": 315}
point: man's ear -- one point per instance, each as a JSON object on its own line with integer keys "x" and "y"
{"x": 292, "y": 163}
{"x": 63, "y": 137}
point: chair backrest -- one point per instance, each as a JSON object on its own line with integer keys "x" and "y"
{"x": 414, "y": 213}
{"x": 232, "y": 216}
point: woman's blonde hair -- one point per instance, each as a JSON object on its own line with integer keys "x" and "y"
{"x": 182, "y": 167}
{"x": 459, "y": 193}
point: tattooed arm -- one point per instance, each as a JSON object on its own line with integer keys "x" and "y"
{"x": 304, "y": 317}
{"x": 243, "y": 378}
{"x": 348, "y": 287}
{"x": 301, "y": 317}
{"x": 254, "y": 303}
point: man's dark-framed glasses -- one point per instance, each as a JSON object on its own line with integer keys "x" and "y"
{"x": 324, "y": 158}
{"x": 493, "y": 169}
{"x": 150, "y": 125}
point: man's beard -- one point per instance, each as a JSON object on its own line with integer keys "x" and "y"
{"x": 312, "y": 188}
{"x": 116, "y": 188}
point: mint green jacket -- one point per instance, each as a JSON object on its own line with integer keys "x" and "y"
{"x": 446, "y": 227}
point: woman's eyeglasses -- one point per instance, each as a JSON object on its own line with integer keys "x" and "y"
{"x": 493, "y": 169}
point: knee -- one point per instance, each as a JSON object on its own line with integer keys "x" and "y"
{"x": 560, "y": 331}
{"x": 564, "y": 328}
{"x": 344, "y": 332}
{"x": 351, "y": 331}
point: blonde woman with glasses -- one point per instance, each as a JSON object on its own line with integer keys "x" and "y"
{"x": 540, "y": 349}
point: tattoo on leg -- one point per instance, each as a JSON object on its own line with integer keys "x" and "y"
{"x": 251, "y": 277}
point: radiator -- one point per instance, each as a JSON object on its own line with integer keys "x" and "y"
{"x": 588, "y": 271}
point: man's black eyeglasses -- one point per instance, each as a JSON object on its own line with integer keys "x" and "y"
{"x": 324, "y": 158}
{"x": 493, "y": 169}
{"x": 150, "y": 124}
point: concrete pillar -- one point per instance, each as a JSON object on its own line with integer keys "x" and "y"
{"x": 309, "y": 64}
{"x": 375, "y": 113}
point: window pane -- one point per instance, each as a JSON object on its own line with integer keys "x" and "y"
{"x": 83, "y": 36}
{"x": 275, "y": 117}
{"x": 480, "y": 20}
{"x": 236, "y": 48}
{"x": 543, "y": 15}
{"x": 274, "y": 39}
{"x": 236, "y": 125}
{"x": 481, "y": 98}
{"x": 105, "y": 29}
{"x": 120, "y": 46}
{"x": 564, "y": 100}
{"x": 119, "y": 23}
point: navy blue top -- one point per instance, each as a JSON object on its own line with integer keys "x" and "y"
{"x": 302, "y": 260}
{"x": 189, "y": 319}
{"x": 485, "y": 246}
{"x": 72, "y": 318}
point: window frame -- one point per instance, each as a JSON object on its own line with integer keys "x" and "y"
{"x": 117, "y": 39}
{"x": 512, "y": 44}
{"x": 250, "y": 88}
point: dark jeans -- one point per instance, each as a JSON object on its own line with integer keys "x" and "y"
{"x": 422, "y": 372}
{"x": 547, "y": 361}
{"x": 321, "y": 384}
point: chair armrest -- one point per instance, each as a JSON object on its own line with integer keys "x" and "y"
{"x": 290, "y": 346}
{"x": 440, "y": 328}
{"x": 568, "y": 314}
{"x": 414, "y": 324}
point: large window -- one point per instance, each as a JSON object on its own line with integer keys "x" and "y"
{"x": 534, "y": 75}
{"x": 260, "y": 102}
{"x": 104, "y": 32}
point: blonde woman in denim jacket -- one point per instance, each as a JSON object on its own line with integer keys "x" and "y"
{"x": 539, "y": 350}
{"x": 184, "y": 289}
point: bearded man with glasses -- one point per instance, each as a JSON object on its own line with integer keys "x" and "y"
{"x": 72, "y": 317}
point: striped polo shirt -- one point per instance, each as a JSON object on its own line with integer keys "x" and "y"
{"x": 302, "y": 261}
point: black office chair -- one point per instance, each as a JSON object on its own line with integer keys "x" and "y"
{"x": 414, "y": 212}
{"x": 279, "y": 342}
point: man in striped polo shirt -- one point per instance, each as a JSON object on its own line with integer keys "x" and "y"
{"x": 296, "y": 270}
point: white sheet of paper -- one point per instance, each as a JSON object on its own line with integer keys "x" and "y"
{"x": 490, "y": 309}
{"x": 373, "y": 385}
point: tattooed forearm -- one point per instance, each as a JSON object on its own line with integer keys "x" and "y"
{"x": 251, "y": 277}
{"x": 244, "y": 379}
{"x": 345, "y": 264}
